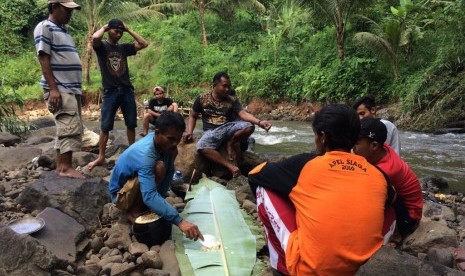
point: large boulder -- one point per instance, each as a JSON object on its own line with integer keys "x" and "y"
{"x": 430, "y": 234}
{"x": 188, "y": 159}
{"x": 8, "y": 139}
{"x": 82, "y": 199}
{"x": 388, "y": 261}
{"x": 61, "y": 234}
{"x": 24, "y": 255}
{"x": 17, "y": 158}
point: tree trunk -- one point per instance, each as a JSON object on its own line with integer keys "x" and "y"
{"x": 202, "y": 23}
{"x": 340, "y": 33}
{"x": 88, "y": 58}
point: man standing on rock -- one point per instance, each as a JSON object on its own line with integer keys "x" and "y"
{"x": 118, "y": 91}
{"x": 61, "y": 81}
{"x": 150, "y": 162}
{"x": 219, "y": 111}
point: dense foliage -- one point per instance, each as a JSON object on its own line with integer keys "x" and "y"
{"x": 412, "y": 52}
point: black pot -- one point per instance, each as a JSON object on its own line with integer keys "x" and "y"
{"x": 152, "y": 233}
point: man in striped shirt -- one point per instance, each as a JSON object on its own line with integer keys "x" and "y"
{"x": 61, "y": 81}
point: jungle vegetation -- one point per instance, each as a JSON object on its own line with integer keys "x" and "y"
{"x": 410, "y": 52}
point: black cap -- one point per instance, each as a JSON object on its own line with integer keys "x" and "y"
{"x": 116, "y": 24}
{"x": 373, "y": 129}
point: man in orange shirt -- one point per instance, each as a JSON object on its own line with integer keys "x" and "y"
{"x": 322, "y": 214}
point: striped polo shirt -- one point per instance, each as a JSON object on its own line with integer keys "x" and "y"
{"x": 55, "y": 41}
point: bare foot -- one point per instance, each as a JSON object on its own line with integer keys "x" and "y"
{"x": 97, "y": 162}
{"x": 143, "y": 134}
{"x": 231, "y": 151}
{"x": 71, "y": 173}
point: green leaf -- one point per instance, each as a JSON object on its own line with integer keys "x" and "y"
{"x": 215, "y": 210}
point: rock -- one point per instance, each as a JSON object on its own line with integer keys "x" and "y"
{"x": 48, "y": 159}
{"x": 8, "y": 139}
{"x": 390, "y": 262}
{"x": 96, "y": 244}
{"x": 24, "y": 255}
{"x": 152, "y": 259}
{"x": 98, "y": 171}
{"x": 39, "y": 140}
{"x": 42, "y": 122}
{"x": 118, "y": 236}
{"x": 82, "y": 199}
{"x": 442, "y": 256}
{"x": 433, "y": 184}
{"x": 88, "y": 270}
{"x": 89, "y": 138}
{"x": 249, "y": 206}
{"x": 17, "y": 158}
{"x": 121, "y": 269}
{"x": 156, "y": 272}
{"x": 60, "y": 234}
{"x": 137, "y": 248}
{"x": 168, "y": 257}
{"x": 82, "y": 158}
{"x": 430, "y": 234}
{"x": 112, "y": 259}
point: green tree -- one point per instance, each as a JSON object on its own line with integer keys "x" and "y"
{"x": 338, "y": 12}
{"x": 395, "y": 32}
{"x": 17, "y": 19}
{"x": 224, "y": 8}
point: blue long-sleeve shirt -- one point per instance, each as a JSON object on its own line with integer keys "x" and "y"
{"x": 139, "y": 160}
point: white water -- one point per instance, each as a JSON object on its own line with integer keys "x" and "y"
{"x": 427, "y": 154}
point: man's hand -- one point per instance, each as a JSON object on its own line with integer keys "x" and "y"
{"x": 265, "y": 125}
{"x": 190, "y": 230}
{"x": 54, "y": 99}
{"x": 126, "y": 29}
{"x": 186, "y": 136}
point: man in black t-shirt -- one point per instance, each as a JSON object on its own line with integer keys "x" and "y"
{"x": 157, "y": 105}
{"x": 219, "y": 111}
{"x": 118, "y": 91}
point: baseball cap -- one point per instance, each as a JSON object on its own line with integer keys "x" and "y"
{"x": 66, "y": 3}
{"x": 116, "y": 24}
{"x": 158, "y": 88}
{"x": 373, "y": 129}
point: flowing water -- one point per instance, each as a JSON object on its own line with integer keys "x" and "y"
{"x": 426, "y": 154}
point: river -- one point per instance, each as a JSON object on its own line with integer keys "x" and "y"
{"x": 427, "y": 154}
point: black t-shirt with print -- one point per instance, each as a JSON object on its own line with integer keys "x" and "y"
{"x": 154, "y": 105}
{"x": 216, "y": 113}
{"x": 113, "y": 63}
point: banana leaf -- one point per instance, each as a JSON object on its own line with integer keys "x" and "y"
{"x": 215, "y": 210}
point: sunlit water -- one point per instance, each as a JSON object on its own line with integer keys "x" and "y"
{"x": 427, "y": 154}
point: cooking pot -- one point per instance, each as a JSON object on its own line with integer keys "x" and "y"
{"x": 151, "y": 229}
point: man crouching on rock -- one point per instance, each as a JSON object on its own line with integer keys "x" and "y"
{"x": 150, "y": 162}
{"x": 219, "y": 111}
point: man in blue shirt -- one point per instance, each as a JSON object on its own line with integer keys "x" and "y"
{"x": 142, "y": 159}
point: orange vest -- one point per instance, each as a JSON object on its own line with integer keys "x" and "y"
{"x": 339, "y": 200}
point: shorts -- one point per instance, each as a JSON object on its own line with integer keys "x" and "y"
{"x": 114, "y": 98}
{"x": 214, "y": 138}
{"x": 68, "y": 122}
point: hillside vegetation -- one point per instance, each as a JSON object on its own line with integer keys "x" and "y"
{"x": 407, "y": 52}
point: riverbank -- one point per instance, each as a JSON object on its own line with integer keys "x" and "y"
{"x": 96, "y": 240}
